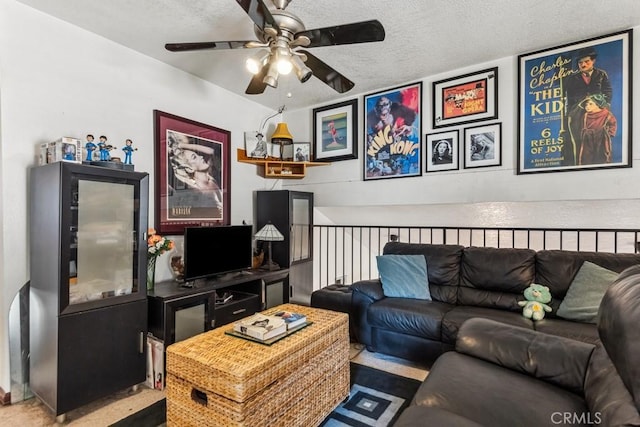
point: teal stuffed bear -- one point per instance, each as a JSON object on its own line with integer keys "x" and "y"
{"x": 536, "y": 304}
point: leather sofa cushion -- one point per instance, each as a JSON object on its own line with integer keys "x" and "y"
{"x": 585, "y": 332}
{"x": 421, "y": 416}
{"x": 606, "y": 394}
{"x": 409, "y": 316}
{"x": 443, "y": 266}
{"x": 619, "y": 328}
{"x": 495, "y": 277}
{"x": 454, "y": 318}
{"x": 492, "y": 395}
{"x": 557, "y": 268}
{"x": 556, "y": 360}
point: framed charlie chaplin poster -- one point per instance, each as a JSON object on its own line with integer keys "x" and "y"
{"x": 574, "y": 106}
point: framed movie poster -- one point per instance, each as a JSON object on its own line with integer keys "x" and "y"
{"x": 335, "y": 130}
{"x": 393, "y": 133}
{"x": 483, "y": 146}
{"x": 192, "y": 176}
{"x": 465, "y": 99}
{"x": 575, "y": 106}
{"x": 441, "y": 151}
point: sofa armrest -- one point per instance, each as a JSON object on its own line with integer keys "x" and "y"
{"x": 554, "y": 359}
{"x": 364, "y": 293}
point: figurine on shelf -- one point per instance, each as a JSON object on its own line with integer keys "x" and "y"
{"x": 90, "y": 147}
{"x": 104, "y": 149}
{"x": 128, "y": 149}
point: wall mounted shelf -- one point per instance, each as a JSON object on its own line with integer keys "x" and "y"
{"x": 275, "y": 168}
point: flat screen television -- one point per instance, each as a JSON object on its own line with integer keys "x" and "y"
{"x": 212, "y": 251}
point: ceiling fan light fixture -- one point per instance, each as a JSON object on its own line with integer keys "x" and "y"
{"x": 271, "y": 78}
{"x": 282, "y": 58}
{"x": 255, "y": 62}
{"x": 303, "y": 72}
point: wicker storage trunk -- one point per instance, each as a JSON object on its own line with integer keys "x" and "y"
{"x": 217, "y": 380}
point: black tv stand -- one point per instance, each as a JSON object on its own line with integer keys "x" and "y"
{"x": 252, "y": 290}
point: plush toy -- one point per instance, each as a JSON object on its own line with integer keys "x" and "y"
{"x": 536, "y": 304}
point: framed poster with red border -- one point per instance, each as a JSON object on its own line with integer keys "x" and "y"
{"x": 192, "y": 174}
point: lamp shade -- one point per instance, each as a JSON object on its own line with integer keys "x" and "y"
{"x": 269, "y": 233}
{"x": 282, "y": 132}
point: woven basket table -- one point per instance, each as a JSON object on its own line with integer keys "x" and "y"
{"x": 214, "y": 379}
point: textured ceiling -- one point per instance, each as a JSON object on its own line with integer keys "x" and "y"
{"x": 423, "y": 37}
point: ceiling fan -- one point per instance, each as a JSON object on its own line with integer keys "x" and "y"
{"x": 281, "y": 35}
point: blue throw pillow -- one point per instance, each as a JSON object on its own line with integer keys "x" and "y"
{"x": 404, "y": 276}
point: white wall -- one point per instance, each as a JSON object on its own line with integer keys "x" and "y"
{"x": 496, "y": 195}
{"x": 58, "y": 80}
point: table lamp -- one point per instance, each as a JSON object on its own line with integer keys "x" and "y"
{"x": 282, "y": 137}
{"x": 269, "y": 233}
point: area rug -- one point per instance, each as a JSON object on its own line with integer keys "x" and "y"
{"x": 376, "y": 399}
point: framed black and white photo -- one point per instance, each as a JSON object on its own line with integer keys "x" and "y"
{"x": 483, "y": 146}
{"x": 466, "y": 99}
{"x": 301, "y": 151}
{"x": 441, "y": 151}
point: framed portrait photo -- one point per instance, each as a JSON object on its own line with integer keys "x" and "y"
{"x": 192, "y": 174}
{"x": 393, "y": 133}
{"x": 483, "y": 146}
{"x": 441, "y": 151}
{"x": 301, "y": 151}
{"x": 466, "y": 99}
{"x": 574, "y": 106}
{"x": 335, "y": 131}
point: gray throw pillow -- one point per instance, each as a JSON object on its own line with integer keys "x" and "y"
{"x": 585, "y": 293}
{"x": 404, "y": 276}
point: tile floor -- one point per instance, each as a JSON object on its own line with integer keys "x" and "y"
{"x": 120, "y": 405}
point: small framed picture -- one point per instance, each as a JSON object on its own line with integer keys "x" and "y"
{"x": 301, "y": 151}
{"x": 255, "y": 145}
{"x": 441, "y": 151}
{"x": 465, "y": 99}
{"x": 335, "y": 132}
{"x": 483, "y": 146}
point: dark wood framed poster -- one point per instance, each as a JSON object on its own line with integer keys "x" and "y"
{"x": 192, "y": 174}
{"x": 574, "y": 106}
{"x": 335, "y": 132}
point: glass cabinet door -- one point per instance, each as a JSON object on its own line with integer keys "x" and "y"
{"x": 103, "y": 240}
{"x": 301, "y": 221}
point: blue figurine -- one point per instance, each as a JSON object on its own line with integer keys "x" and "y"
{"x": 104, "y": 149}
{"x": 91, "y": 147}
{"x": 128, "y": 150}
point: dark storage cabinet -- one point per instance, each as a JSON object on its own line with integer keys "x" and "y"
{"x": 88, "y": 254}
{"x": 292, "y": 214}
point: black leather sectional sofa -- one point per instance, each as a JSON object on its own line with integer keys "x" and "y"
{"x": 502, "y": 375}
{"x": 468, "y": 282}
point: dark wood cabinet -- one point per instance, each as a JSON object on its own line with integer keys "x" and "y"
{"x": 291, "y": 212}
{"x": 88, "y": 303}
{"x": 177, "y": 312}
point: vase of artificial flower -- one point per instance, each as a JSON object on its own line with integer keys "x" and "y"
{"x": 156, "y": 246}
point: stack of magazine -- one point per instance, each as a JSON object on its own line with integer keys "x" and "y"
{"x": 269, "y": 328}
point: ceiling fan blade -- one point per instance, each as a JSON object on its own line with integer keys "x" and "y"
{"x": 240, "y": 44}
{"x": 324, "y": 72}
{"x": 358, "y": 32}
{"x": 259, "y": 13}
{"x": 256, "y": 85}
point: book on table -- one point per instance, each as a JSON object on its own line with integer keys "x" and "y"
{"x": 292, "y": 319}
{"x": 261, "y": 326}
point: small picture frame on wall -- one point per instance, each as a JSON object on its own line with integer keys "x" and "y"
{"x": 483, "y": 146}
{"x": 335, "y": 131}
{"x": 255, "y": 145}
{"x": 466, "y": 99}
{"x": 301, "y": 151}
{"x": 441, "y": 151}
